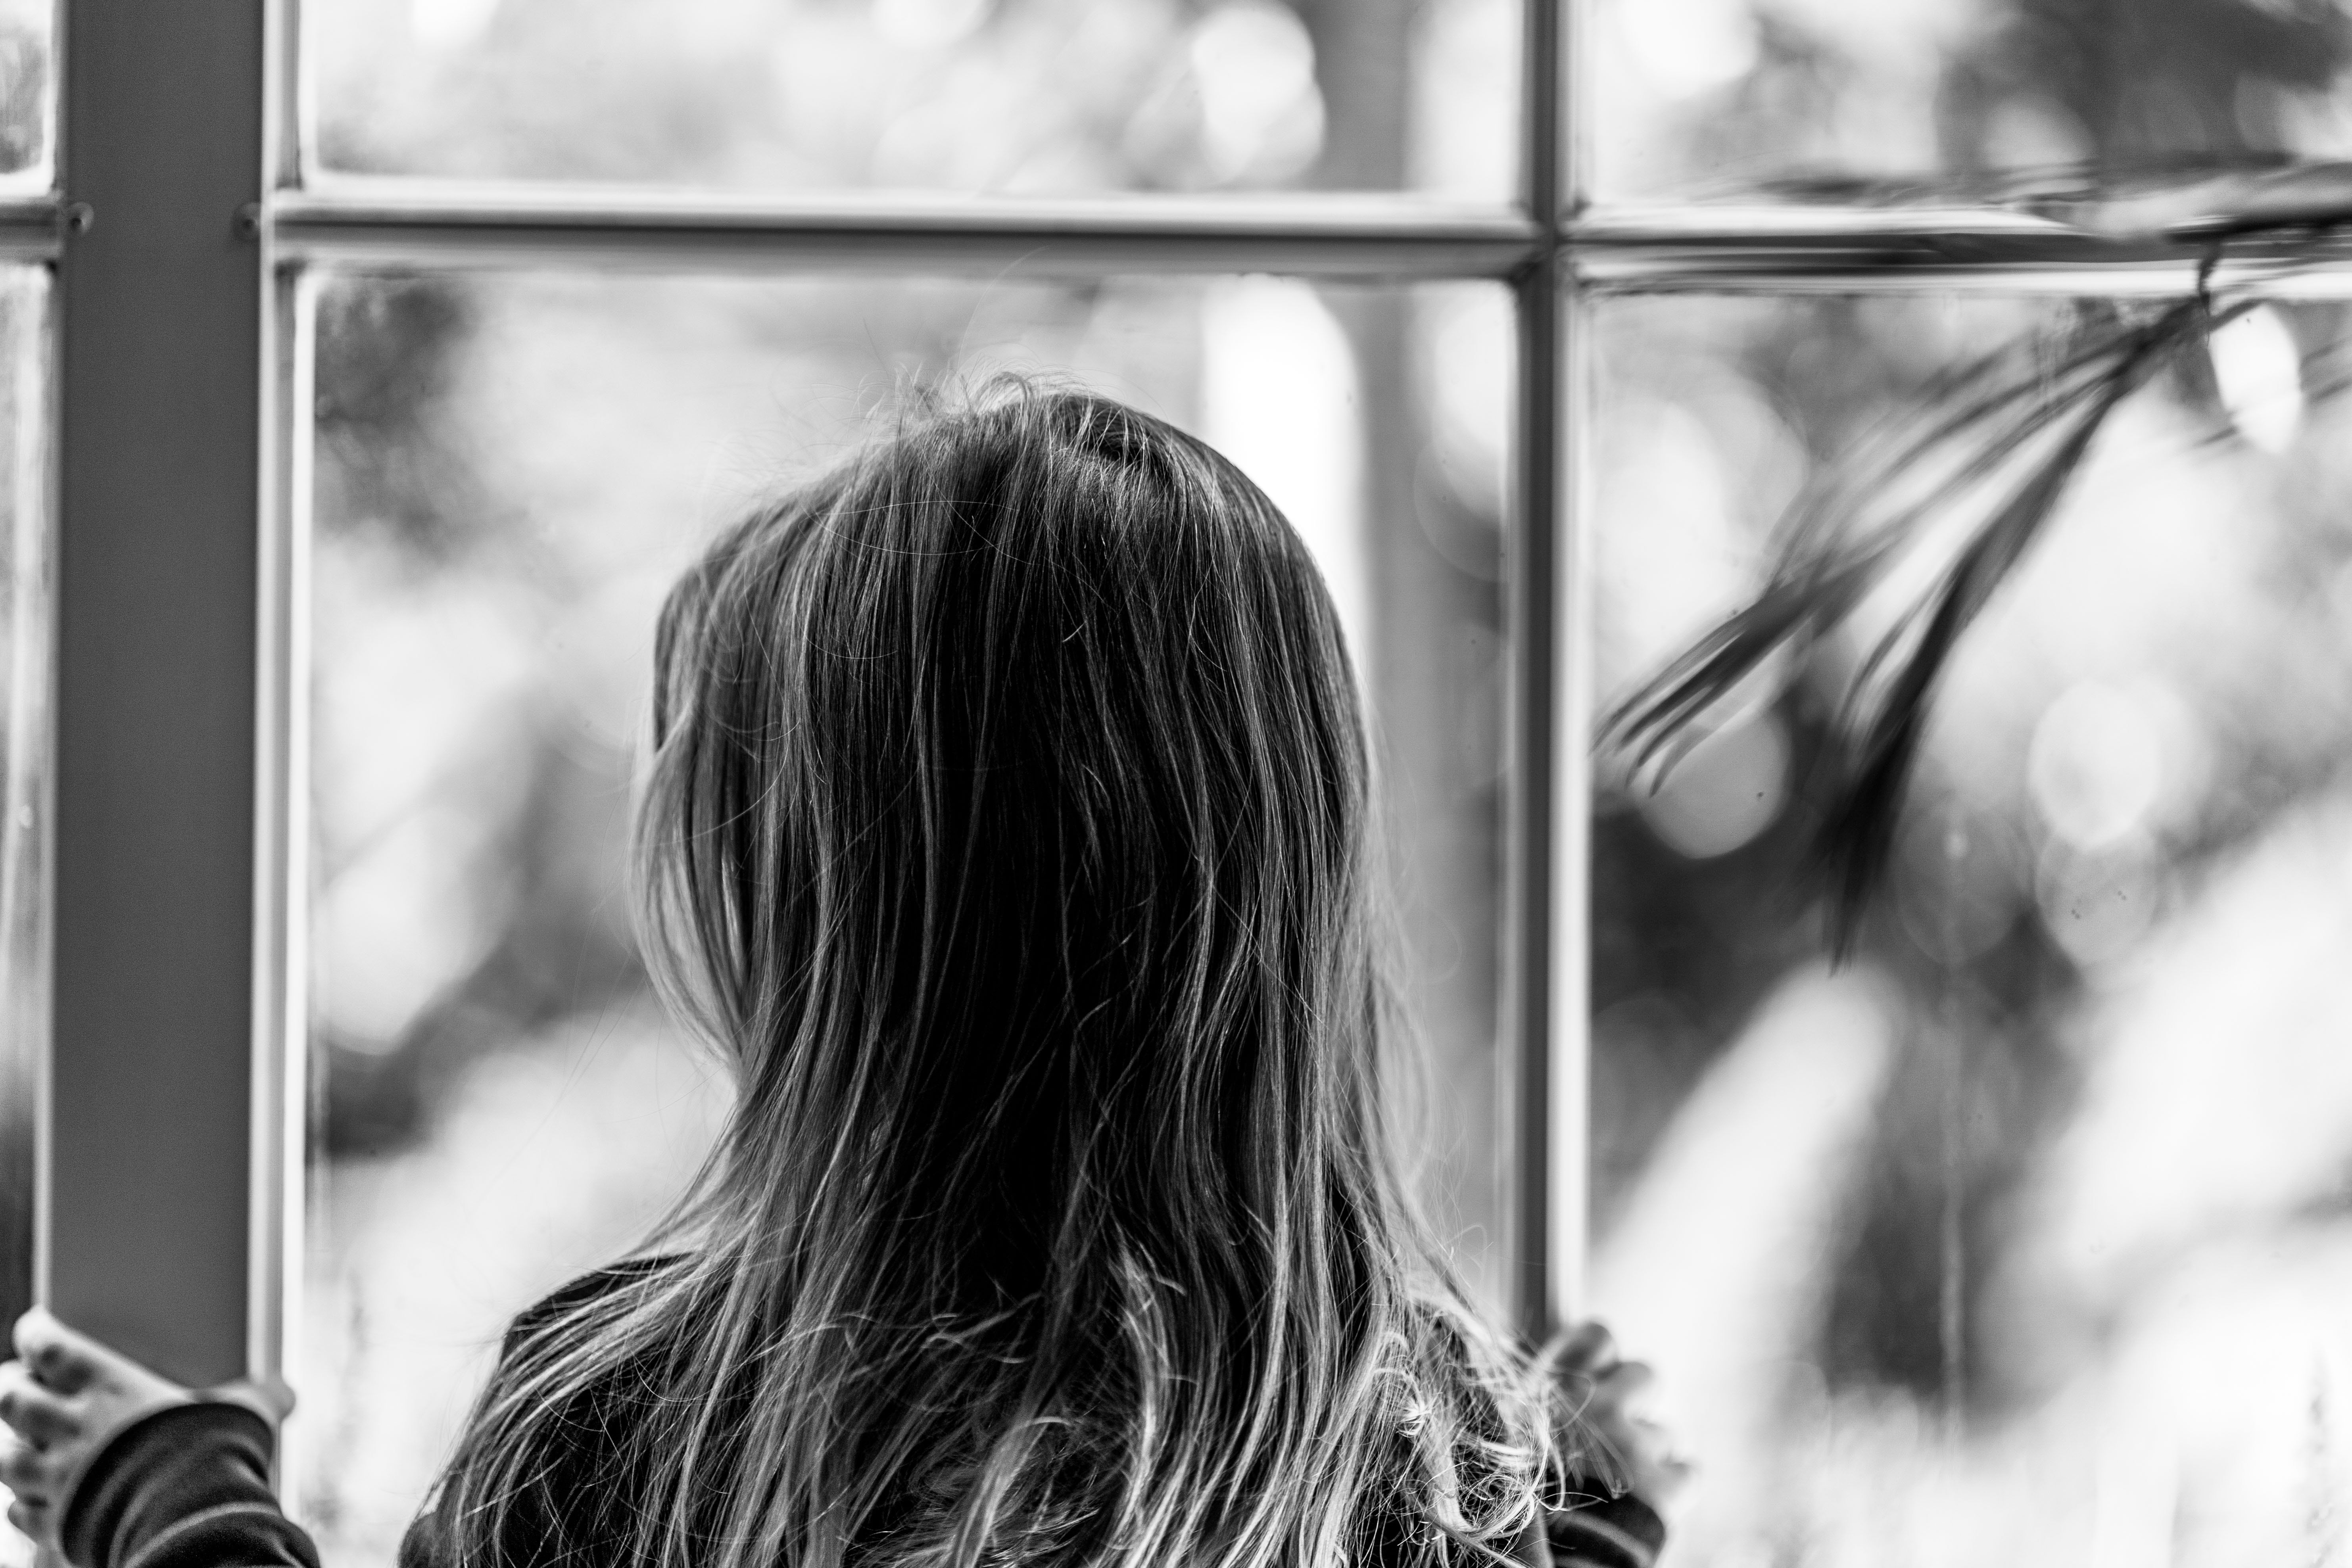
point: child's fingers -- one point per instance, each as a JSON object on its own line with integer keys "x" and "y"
{"x": 24, "y": 1471}
{"x": 1588, "y": 1346}
{"x": 1659, "y": 1442}
{"x": 1665, "y": 1467}
{"x": 39, "y": 1416}
{"x": 31, "y": 1519}
{"x": 1622, "y": 1381}
{"x": 37, "y": 1520}
{"x": 60, "y": 1359}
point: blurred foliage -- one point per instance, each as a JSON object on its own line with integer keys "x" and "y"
{"x": 1042, "y": 95}
{"x": 1959, "y": 100}
{"x": 2147, "y": 82}
{"x": 24, "y": 91}
{"x": 1685, "y": 951}
{"x": 386, "y": 357}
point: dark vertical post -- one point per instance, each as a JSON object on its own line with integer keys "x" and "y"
{"x": 162, "y": 345}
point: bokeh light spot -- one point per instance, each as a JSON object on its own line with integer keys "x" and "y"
{"x": 1687, "y": 47}
{"x": 2259, "y": 370}
{"x": 1725, "y": 792}
{"x": 1961, "y": 881}
{"x": 1261, "y": 114}
{"x": 928, "y": 23}
{"x": 2097, "y": 766}
{"x": 450, "y": 24}
{"x": 2096, "y": 907}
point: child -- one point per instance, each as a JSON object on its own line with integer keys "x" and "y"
{"x": 1006, "y": 829}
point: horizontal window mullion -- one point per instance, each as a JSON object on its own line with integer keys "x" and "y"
{"x": 1800, "y": 250}
{"x": 29, "y": 227}
{"x": 2302, "y": 278}
{"x": 1337, "y": 237}
{"x": 944, "y": 255}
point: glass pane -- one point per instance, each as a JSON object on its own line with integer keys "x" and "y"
{"x": 512, "y": 471}
{"x": 25, "y": 768}
{"x": 27, "y": 103}
{"x": 1715, "y": 96}
{"x": 2020, "y": 1238}
{"x": 23, "y": 762}
{"x": 1043, "y": 97}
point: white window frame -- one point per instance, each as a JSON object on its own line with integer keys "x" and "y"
{"x": 185, "y": 233}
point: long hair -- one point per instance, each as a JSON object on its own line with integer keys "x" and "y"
{"x": 1007, "y": 828}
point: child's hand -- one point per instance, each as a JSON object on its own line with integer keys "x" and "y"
{"x": 64, "y": 1397}
{"x": 1634, "y": 1452}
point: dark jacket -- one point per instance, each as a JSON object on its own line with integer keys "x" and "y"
{"x": 189, "y": 1488}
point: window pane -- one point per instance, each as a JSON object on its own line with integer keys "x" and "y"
{"x": 1711, "y": 95}
{"x": 2020, "y": 1238}
{"x": 1051, "y": 97}
{"x": 26, "y": 104}
{"x": 25, "y": 762}
{"x": 511, "y": 470}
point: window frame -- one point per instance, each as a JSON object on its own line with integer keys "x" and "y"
{"x": 171, "y": 1117}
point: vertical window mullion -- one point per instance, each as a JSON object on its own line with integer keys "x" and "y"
{"x": 1572, "y": 800}
{"x": 1532, "y": 893}
{"x": 278, "y": 1114}
{"x": 281, "y": 826}
{"x": 28, "y": 801}
{"x": 1543, "y": 873}
{"x": 1572, "y": 663}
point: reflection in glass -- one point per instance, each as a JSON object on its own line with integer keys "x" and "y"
{"x": 511, "y": 470}
{"x": 1040, "y": 96}
{"x": 27, "y": 102}
{"x": 1716, "y": 96}
{"x": 24, "y": 764}
{"x": 2020, "y": 1238}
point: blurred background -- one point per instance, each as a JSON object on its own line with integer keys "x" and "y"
{"x": 2021, "y": 1238}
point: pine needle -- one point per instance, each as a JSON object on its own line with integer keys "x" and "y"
{"x": 1989, "y": 449}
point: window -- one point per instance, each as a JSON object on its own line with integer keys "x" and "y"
{"x": 487, "y": 558}
{"x": 371, "y": 365}
{"x": 23, "y": 875}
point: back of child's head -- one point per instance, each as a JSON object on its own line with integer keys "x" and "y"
{"x": 1006, "y": 828}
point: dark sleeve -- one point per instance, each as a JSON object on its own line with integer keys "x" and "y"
{"x": 579, "y": 1293}
{"x": 187, "y": 1486}
{"x": 431, "y": 1540}
{"x": 426, "y": 1542}
{"x": 1597, "y": 1531}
